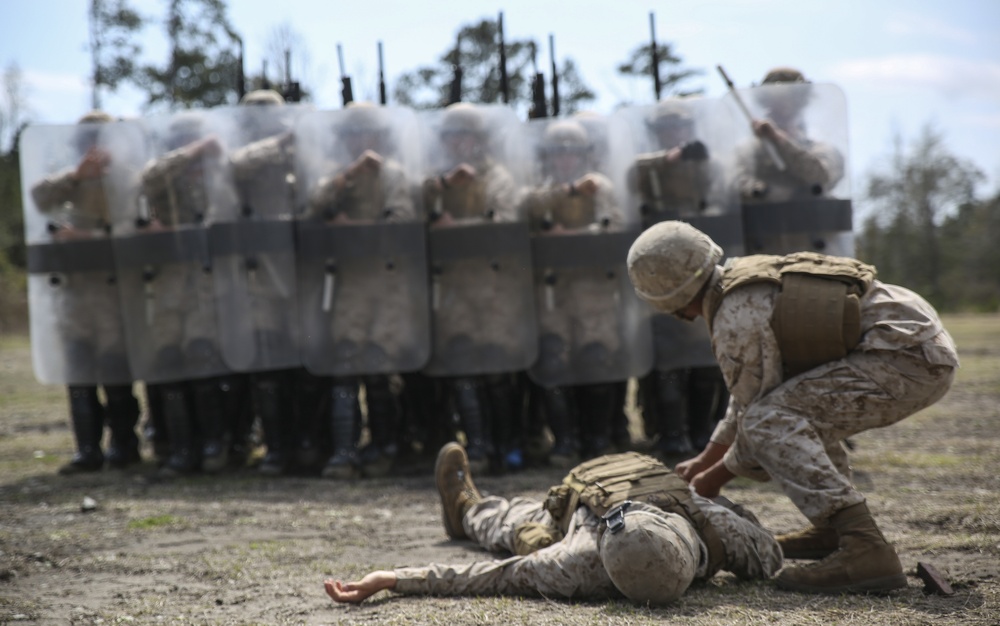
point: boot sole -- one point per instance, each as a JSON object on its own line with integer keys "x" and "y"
{"x": 883, "y": 584}
{"x": 451, "y": 532}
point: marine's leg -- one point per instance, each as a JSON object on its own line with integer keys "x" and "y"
{"x": 122, "y": 412}
{"x": 383, "y": 422}
{"x": 345, "y": 418}
{"x": 87, "y": 418}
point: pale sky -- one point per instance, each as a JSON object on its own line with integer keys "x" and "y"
{"x": 901, "y": 63}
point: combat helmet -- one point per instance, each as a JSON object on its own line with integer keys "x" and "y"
{"x": 462, "y": 117}
{"x": 565, "y": 136}
{"x": 670, "y": 262}
{"x": 86, "y": 135}
{"x": 263, "y": 97}
{"x": 783, "y": 75}
{"x": 785, "y": 89}
{"x": 650, "y": 555}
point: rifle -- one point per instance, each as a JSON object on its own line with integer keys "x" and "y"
{"x": 772, "y": 151}
{"x": 455, "y": 91}
{"x": 654, "y": 61}
{"x": 555, "y": 76}
{"x": 346, "y": 92}
{"x": 504, "y": 89}
{"x": 538, "y": 104}
{"x": 381, "y": 77}
{"x": 291, "y": 91}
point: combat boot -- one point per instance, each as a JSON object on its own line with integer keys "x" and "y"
{"x": 383, "y": 419}
{"x": 87, "y": 417}
{"x": 344, "y": 417}
{"x": 809, "y": 543}
{"x": 560, "y": 414}
{"x": 454, "y": 483}
{"x": 184, "y": 454}
{"x": 210, "y": 411}
{"x": 707, "y": 402}
{"x": 672, "y": 412}
{"x": 864, "y": 562}
{"x": 123, "y": 415}
{"x": 267, "y": 395}
{"x": 474, "y": 418}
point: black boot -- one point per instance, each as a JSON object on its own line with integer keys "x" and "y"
{"x": 311, "y": 431}
{"x": 238, "y": 418}
{"x": 122, "y": 414}
{"x": 184, "y": 454}
{"x": 505, "y": 414}
{"x": 560, "y": 413}
{"x": 270, "y": 402}
{"x": 155, "y": 427}
{"x": 87, "y": 418}
{"x": 344, "y": 419}
{"x": 706, "y": 404}
{"x": 596, "y": 404}
{"x": 210, "y": 410}
{"x": 383, "y": 419}
{"x": 536, "y": 442}
{"x": 672, "y": 407}
{"x": 474, "y": 418}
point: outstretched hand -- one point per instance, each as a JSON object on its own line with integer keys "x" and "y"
{"x": 357, "y": 591}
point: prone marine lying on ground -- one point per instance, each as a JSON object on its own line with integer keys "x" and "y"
{"x": 618, "y": 525}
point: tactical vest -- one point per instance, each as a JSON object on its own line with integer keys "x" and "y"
{"x": 602, "y": 483}
{"x": 817, "y": 315}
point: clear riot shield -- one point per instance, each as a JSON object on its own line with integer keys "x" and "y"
{"x": 164, "y": 196}
{"x": 592, "y": 327}
{"x": 801, "y": 201}
{"x": 77, "y": 330}
{"x": 681, "y": 170}
{"x": 361, "y": 242}
{"x": 482, "y": 305}
{"x": 253, "y": 245}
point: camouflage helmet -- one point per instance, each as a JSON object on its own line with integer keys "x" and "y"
{"x": 263, "y": 97}
{"x": 670, "y": 262}
{"x": 783, "y": 75}
{"x": 670, "y": 113}
{"x": 360, "y": 117}
{"x": 650, "y": 555}
{"x": 95, "y": 117}
{"x": 184, "y": 128}
{"x": 565, "y": 136}
{"x": 462, "y": 117}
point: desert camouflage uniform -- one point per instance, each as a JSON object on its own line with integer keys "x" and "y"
{"x": 571, "y": 568}
{"x": 492, "y": 195}
{"x": 583, "y": 304}
{"x": 792, "y": 430}
{"x": 807, "y": 163}
{"x": 686, "y": 188}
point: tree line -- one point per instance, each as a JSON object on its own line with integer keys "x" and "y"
{"x": 924, "y": 226}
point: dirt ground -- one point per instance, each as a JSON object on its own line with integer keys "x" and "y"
{"x": 242, "y": 549}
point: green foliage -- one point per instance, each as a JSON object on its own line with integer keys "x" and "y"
{"x": 640, "y": 65}
{"x": 203, "y": 66}
{"x": 926, "y": 229}
{"x": 113, "y": 49}
{"x": 149, "y": 523}
{"x": 477, "y": 53}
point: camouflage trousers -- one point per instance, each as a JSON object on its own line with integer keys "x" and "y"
{"x": 572, "y": 568}
{"x": 794, "y": 434}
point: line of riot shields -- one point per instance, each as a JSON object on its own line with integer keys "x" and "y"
{"x": 376, "y": 240}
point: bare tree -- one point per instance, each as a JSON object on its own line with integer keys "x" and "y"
{"x": 13, "y": 106}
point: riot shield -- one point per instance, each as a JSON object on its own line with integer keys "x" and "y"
{"x": 361, "y": 242}
{"x": 163, "y": 198}
{"x": 801, "y": 201}
{"x": 77, "y": 331}
{"x": 592, "y": 326}
{"x": 681, "y": 171}
{"x": 482, "y": 305}
{"x": 253, "y": 247}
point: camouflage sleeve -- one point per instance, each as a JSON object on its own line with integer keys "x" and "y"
{"x": 398, "y": 194}
{"x": 158, "y": 173}
{"x": 536, "y": 204}
{"x": 252, "y": 158}
{"x": 606, "y": 207}
{"x": 432, "y": 195}
{"x": 323, "y": 195}
{"x": 570, "y": 568}
{"x": 502, "y": 194}
{"x": 813, "y": 162}
{"x": 640, "y": 177}
{"x": 747, "y": 180}
{"x": 748, "y": 355}
{"x": 751, "y": 550}
{"x": 50, "y": 193}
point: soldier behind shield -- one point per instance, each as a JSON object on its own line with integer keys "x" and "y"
{"x": 572, "y": 197}
{"x": 184, "y": 189}
{"x": 681, "y": 180}
{"x": 365, "y": 184}
{"x": 470, "y": 186}
{"x": 90, "y": 319}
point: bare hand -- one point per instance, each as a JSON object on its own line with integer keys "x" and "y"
{"x": 68, "y": 233}
{"x": 93, "y": 164}
{"x": 208, "y": 147}
{"x": 354, "y": 592}
{"x": 586, "y": 185}
{"x": 692, "y": 467}
{"x": 463, "y": 174}
{"x": 443, "y": 220}
{"x": 765, "y": 129}
{"x": 369, "y": 160}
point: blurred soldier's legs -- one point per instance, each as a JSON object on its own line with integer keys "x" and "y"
{"x": 178, "y": 414}
{"x": 620, "y": 436}
{"x": 468, "y": 397}
{"x": 155, "y": 428}
{"x": 87, "y": 417}
{"x": 122, "y": 413}
{"x": 311, "y": 427}
{"x": 536, "y": 443}
{"x": 670, "y": 410}
{"x": 210, "y": 396}
{"x": 596, "y": 405}
{"x": 239, "y": 418}
{"x": 707, "y": 402}
{"x": 271, "y": 401}
{"x": 345, "y": 417}
{"x": 383, "y": 423}
{"x": 505, "y": 408}
{"x": 562, "y": 417}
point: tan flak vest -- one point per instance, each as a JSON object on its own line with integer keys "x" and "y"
{"x": 605, "y": 482}
{"x": 817, "y": 316}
